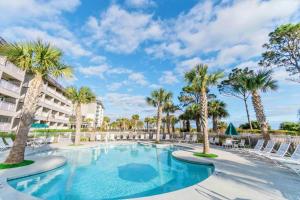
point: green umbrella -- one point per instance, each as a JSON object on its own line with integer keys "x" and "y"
{"x": 37, "y": 125}
{"x": 231, "y": 130}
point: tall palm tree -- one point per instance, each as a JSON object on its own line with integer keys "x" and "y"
{"x": 105, "y": 123}
{"x": 217, "y": 110}
{"x": 40, "y": 60}
{"x": 84, "y": 95}
{"x": 256, "y": 82}
{"x": 158, "y": 99}
{"x": 169, "y": 108}
{"x": 135, "y": 119}
{"x": 147, "y": 121}
{"x": 202, "y": 79}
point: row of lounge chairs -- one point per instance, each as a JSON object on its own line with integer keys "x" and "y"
{"x": 282, "y": 154}
{"x": 166, "y": 137}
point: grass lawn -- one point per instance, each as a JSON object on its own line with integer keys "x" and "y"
{"x": 204, "y": 155}
{"x": 21, "y": 164}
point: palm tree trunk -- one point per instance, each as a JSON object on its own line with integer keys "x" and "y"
{"x": 159, "y": 115}
{"x": 198, "y": 126}
{"x": 168, "y": 123}
{"x": 204, "y": 116}
{"x": 215, "y": 124}
{"x": 78, "y": 123}
{"x": 147, "y": 124}
{"x": 16, "y": 154}
{"x": 247, "y": 112}
{"x": 260, "y": 115}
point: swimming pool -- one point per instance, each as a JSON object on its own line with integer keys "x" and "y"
{"x": 113, "y": 172}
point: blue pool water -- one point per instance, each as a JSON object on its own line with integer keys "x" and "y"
{"x": 113, "y": 172}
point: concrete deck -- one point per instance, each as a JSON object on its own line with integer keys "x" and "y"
{"x": 238, "y": 175}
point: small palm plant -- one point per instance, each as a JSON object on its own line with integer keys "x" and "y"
{"x": 200, "y": 78}
{"x": 256, "y": 82}
{"x": 84, "y": 95}
{"x": 158, "y": 99}
{"x": 39, "y": 60}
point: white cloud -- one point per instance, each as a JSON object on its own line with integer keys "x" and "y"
{"x": 117, "y": 85}
{"x": 33, "y": 9}
{"x": 186, "y": 65}
{"x": 94, "y": 70}
{"x": 168, "y": 77}
{"x": 19, "y": 33}
{"x": 138, "y": 78}
{"x": 121, "y": 31}
{"x": 140, "y": 3}
{"x": 155, "y": 86}
{"x": 98, "y": 59}
{"x": 127, "y": 105}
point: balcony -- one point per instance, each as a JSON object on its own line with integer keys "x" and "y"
{"x": 4, "y": 126}
{"x": 9, "y": 86}
{"x": 7, "y": 106}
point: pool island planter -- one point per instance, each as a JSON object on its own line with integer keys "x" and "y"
{"x": 40, "y": 165}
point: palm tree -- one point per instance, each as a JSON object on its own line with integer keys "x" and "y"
{"x": 168, "y": 109}
{"x": 217, "y": 110}
{"x": 256, "y": 82}
{"x": 158, "y": 99}
{"x": 105, "y": 123}
{"x": 84, "y": 95}
{"x": 147, "y": 121}
{"x": 200, "y": 78}
{"x": 40, "y": 60}
{"x": 135, "y": 119}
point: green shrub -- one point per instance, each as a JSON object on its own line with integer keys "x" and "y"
{"x": 84, "y": 139}
{"x": 290, "y": 126}
{"x": 12, "y": 135}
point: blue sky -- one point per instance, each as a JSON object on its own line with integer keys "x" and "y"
{"x": 123, "y": 49}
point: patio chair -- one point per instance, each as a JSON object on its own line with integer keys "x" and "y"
{"x": 259, "y": 145}
{"x": 194, "y": 138}
{"x": 112, "y": 137}
{"x": 142, "y": 137}
{"x": 118, "y": 137}
{"x": 211, "y": 140}
{"x": 242, "y": 143}
{"x": 49, "y": 140}
{"x": 294, "y": 159}
{"x": 217, "y": 141}
{"x": 9, "y": 142}
{"x": 187, "y": 138}
{"x": 130, "y": 137}
{"x": 228, "y": 143}
{"x": 282, "y": 150}
{"x": 268, "y": 149}
{"x": 154, "y": 136}
{"x": 161, "y": 136}
{"x": 147, "y": 136}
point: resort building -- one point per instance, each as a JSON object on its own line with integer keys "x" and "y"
{"x": 92, "y": 114}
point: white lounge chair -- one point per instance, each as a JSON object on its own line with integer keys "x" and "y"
{"x": 112, "y": 137}
{"x": 259, "y": 145}
{"x": 9, "y": 142}
{"x": 161, "y": 137}
{"x": 187, "y": 138}
{"x": 268, "y": 149}
{"x": 228, "y": 143}
{"x": 294, "y": 159}
{"x": 194, "y": 138}
{"x": 98, "y": 137}
{"x": 154, "y": 136}
{"x": 130, "y": 137}
{"x": 211, "y": 140}
{"x": 282, "y": 150}
{"x": 118, "y": 137}
{"x": 49, "y": 140}
{"x": 142, "y": 137}
{"x": 242, "y": 143}
{"x": 147, "y": 136}
{"x": 167, "y": 137}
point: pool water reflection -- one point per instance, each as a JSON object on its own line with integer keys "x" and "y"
{"x": 113, "y": 172}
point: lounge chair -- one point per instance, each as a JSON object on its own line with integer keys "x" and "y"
{"x": 112, "y": 137}
{"x": 154, "y": 136}
{"x": 228, "y": 143}
{"x": 130, "y": 137}
{"x": 98, "y": 137}
{"x": 187, "y": 138}
{"x": 142, "y": 137}
{"x": 259, "y": 145}
{"x": 268, "y": 149}
{"x": 3, "y": 146}
{"x": 282, "y": 150}
{"x": 161, "y": 136}
{"x": 147, "y": 136}
{"x": 167, "y": 137}
{"x": 211, "y": 140}
{"x": 294, "y": 159}
{"x": 242, "y": 143}
{"x": 9, "y": 142}
{"x": 118, "y": 137}
{"x": 194, "y": 138}
{"x": 48, "y": 140}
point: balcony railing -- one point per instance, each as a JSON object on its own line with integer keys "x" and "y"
{"x": 4, "y": 126}
{"x": 11, "y": 67}
{"x": 7, "y": 106}
{"x": 9, "y": 86}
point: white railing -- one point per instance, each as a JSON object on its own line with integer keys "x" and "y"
{"x": 7, "y": 106}
{"x": 4, "y": 126}
{"x": 11, "y": 67}
{"x": 9, "y": 86}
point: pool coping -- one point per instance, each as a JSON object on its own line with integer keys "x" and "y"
{"x": 40, "y": 165}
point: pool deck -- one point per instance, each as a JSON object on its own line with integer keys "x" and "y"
{"x": 238, "y": 175}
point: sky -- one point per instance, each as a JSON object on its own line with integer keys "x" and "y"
{"x": 124, "y": 49}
